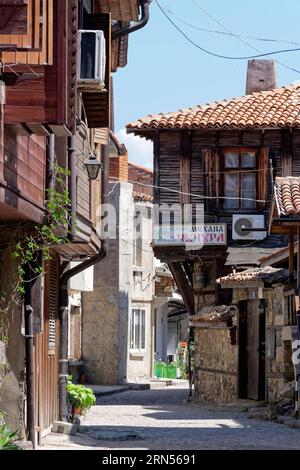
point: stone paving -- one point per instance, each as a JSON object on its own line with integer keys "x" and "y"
{"x": 162, "y": 418}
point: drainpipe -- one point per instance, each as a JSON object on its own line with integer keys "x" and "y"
{"x": 72, "y": 185}
{"x": 63, "y": 292}
{"x": 145, "y": 9}
{"x": 29, "y": 337}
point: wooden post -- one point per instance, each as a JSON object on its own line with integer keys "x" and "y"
{"x": 298, "y": 259}
{"x": 2, "y": 103}
{"x": 291, "y": 255}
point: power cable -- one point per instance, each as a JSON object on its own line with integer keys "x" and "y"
{"x": 220, "y": 56}
{"x": 237, "y": 37}
{"x": 229, "y": 33}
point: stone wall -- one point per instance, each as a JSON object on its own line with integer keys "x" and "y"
{"x": 216, "y": 360}
{"x": 279, "y": 367}
{"x": 12, "y": 374}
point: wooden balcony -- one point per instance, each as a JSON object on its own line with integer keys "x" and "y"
{"x": 45, "y": 94}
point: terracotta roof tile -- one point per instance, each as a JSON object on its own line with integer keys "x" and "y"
{"x": 287, "y": 196}
{"x": 276, "y": 108}
{"x": 267, "y": 274}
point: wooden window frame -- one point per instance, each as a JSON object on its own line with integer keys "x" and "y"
{"x": 142, "y": 312}
{"x": 237, "y": 170}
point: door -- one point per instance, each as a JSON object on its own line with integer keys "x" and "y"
{"x": 251, "y": 350}
{"x": 46, "y": 354}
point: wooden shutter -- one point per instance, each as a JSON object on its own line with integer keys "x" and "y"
{"x": 263, "y": 163}
{"x": 53, "y": 305}
{"x": 211, "y": 168}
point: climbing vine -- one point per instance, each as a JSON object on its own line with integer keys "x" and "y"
{"x": 52, "y": 232}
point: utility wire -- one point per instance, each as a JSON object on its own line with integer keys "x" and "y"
{"x": 195, "y": 195}
{"x": 220, "y": 56}
{"x": 237, "y": 37}
{"x": 228, "y": 33}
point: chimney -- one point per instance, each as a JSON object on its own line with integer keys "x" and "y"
{"x": 118, "y": 168}
{"x": 261, "y": 76}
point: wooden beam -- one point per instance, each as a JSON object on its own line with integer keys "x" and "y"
{"x": 184, "y": 286}
{"x": 298, "y": 259}
{"x": 185, "y": 167}
{"x": 291, "y": 256}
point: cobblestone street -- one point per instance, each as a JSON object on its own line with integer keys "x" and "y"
{"x": 161, "y": 418}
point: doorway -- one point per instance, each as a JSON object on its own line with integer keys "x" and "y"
{"x": 252, "y": 350}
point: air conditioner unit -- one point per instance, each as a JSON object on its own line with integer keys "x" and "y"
{"x": 91, "y": 62}
{"x": 242, "y": 225}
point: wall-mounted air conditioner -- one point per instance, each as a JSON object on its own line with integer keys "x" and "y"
{"x": 246, "y": 227}
{"x": 91, "y": 62}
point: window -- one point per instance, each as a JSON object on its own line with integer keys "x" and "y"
{"x": 240, "y": 170}
{"x": 137, "y": 329}
{"x": 138, "y": 242}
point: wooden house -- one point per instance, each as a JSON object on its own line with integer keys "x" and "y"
{"x": 50, "y": 115}
{"x": 223, "y": 156}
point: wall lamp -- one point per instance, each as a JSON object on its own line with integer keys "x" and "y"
{"x": 93, "y": 166}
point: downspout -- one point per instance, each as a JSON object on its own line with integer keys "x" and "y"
{"x": 63, "y": 292}
{"x": 145, "y": 9}
{"x": 72, "y": 185}
{"x": 29, "y": 337}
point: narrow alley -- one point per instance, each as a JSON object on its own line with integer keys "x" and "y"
{"x": 162, "y": 418}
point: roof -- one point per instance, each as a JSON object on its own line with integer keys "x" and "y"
{"x": 142, "y": 197}
{"x": 267, "y": 275}
{"x": 276, "y": 108}
{"x": 212, "y": 315}
{"x": 287, "y": 196}
{"x": 246, "y": 256}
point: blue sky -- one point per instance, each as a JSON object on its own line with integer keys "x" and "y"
{"x": 166, "y": 73}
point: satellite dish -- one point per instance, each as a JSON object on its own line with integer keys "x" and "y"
{"x": 241, "y": 224}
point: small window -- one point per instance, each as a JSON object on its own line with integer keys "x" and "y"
{"x": 137, "y": 330}
{"x": 240, "y": 175}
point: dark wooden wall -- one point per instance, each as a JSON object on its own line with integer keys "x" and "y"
{"x": 200, "y": 146}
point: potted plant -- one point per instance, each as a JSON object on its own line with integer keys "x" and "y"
{"x": 80, "y": 398}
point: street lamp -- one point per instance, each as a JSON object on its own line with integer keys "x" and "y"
{"x": 93, "y": 167}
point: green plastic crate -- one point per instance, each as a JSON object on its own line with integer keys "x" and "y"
{"x": 171, "y": 371}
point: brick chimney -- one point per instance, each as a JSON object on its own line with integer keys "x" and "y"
{"x": 261, "y": 76}
{"x": 118, "y": 167}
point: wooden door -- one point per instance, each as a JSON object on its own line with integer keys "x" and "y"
{"x": 251, "y": 351}
{"x": 47, "y": 353}
{"x": 252, "y": 348}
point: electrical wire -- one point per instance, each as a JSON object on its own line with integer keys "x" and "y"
{"x": 229, "y": 33}
{"x": 240, "y": 38}
{"x": 220, "y": 56}
{"x": 196, "y": 195}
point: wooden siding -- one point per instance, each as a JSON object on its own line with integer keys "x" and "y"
{"x": 22, "y": 169}
{"x": 50, "y": 98}
{"x": 123, "y": 10}
{"x": 83, "y": 183}
{"x": 14, "y": 17}
{"x": 201, "y": 175}
{"x": 35, "y": 47}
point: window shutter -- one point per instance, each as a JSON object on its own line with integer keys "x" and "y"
{"x": 263, "y": 163}
{"x": 53, "y": 304}
{"x": 211, "y": 168}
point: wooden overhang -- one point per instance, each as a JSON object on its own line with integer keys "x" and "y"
{"x": 97, "y": 104}
{"x": 45, "y": 95}
{"x": 120, "y": 10}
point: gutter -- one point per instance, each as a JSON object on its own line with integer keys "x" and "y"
{"x": 63, "y": 285}
{"x": 135, "y": 26}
